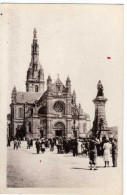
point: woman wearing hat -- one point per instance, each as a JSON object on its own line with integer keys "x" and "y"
{"x": 107, "y": 152}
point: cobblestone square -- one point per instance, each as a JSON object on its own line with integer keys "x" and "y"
{"x": 27, "y": 169}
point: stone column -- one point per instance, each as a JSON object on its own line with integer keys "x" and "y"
{"x": 81, "y": 129}
{"x": 69, "y": 133}
{"x": 68, "y": 106}
{"x": 49, "y": 103}
{"x": 36, "y": 127}
{"x": 49, "y": 130}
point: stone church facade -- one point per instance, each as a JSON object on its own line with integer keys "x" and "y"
{"x": 47, "y": 113}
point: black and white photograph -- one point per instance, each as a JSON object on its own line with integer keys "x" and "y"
{"x": 63, "y": 71}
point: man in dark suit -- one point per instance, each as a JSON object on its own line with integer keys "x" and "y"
{"x": 75, "y": 147}
{"x": 37, "y": 143}
{"x": 114, "y": 152}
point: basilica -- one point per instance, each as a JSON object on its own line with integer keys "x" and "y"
{"x": 39, "y": 113}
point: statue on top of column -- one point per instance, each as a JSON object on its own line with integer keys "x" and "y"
{"x": 100, "y": 89}
{"x": 35, "y": 33}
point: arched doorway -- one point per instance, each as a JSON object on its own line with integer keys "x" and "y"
{"x": 59, "y": 129}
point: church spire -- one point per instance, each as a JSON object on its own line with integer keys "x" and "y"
{"x": 35, "y": 33}
{"x": 35, "y": 51}
{"x": 14, "y": 94}
{"x": 35, "y": 74}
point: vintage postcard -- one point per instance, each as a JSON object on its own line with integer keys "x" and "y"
{"x": 61, "y": 99}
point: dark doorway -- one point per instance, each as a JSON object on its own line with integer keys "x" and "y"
{"x": 41, "y": 134}
{"x": 58, "y": 132}
{"x": 59, "y": 129}
{"x": 75, "y": 134}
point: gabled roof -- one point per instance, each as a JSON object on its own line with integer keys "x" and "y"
{"x": 56, "y": 84}
{"x": 30, "y": 97}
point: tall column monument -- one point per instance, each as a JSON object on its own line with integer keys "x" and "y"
{"x": 100, "y": 123}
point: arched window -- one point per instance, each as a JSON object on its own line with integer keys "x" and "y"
{"x": 36, "y": 88}
{"x": 42, "y": 110}
{"x": 59, "y": 126}
{"x": 20, "y": 113}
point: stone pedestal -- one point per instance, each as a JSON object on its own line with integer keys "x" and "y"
{"x": 100, "y": 109}
{"x": 100, "y": 122}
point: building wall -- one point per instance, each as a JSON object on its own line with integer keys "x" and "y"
{"x": 65, "y": 117}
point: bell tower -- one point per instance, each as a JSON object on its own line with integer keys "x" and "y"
{"x": 35, "y": 74}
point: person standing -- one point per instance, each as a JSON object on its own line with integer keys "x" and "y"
{"x": 75, "y": 147}
{"x": 19, "y": 143}
{"x": 52, "y": 145}
{"x": 37, "y": 143}
{"x": 9, "y": 142}
{"x": 79, "y": 147}
{"x": 107, "y": 152}
{"x": 15, "y": 144}
{"x": 42, "y": 145}
{"x": 31, "y": 142}
{"x": 114, "y": 152}
{"x": 28, "y": 143}
{"x": 93, "y": 152}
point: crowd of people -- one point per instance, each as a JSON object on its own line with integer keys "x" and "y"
{"x": 107, "y": 148}
{"x": 91, "y": 147}
{"x": 76, "y": 146}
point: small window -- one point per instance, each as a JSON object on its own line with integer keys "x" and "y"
{"x": 20, "y": 113}
{"x": 36, "y": 88}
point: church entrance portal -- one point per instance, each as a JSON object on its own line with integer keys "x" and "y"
{"x": 59, "y": 133}
{"x": 59, "y": 129}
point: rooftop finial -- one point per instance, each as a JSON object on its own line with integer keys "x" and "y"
{"x": 35, "y": 33}
{"x": 14, "y": 89}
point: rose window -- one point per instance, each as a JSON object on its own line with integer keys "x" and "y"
{"x": 58, "y": 107}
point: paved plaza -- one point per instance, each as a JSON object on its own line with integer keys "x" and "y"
{"x": 26, "y": 169}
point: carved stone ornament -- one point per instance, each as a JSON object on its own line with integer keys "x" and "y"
{"x": 58, "y": 107}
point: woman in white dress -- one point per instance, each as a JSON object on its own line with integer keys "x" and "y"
{"x": 79, "y": 147}
{"x": 107, "y": 152}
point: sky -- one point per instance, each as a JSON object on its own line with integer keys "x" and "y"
{"x": 74, "y": 40}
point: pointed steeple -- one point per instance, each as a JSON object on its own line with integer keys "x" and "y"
{"x": 68, "y": 81}
{"x": 14, "y": 94}
{"x": 68, "y": 85}
{"x": 49, "y": 80}
{"x": 74, "y": 97}
{"x": 35, "y": 73}
{"x": 41, "y": 74}
{"x": 49, "y": 83}
{"x": 35, "y": 51}
{"x": 35, "y": 33}
{"x": 14, "y": 90}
